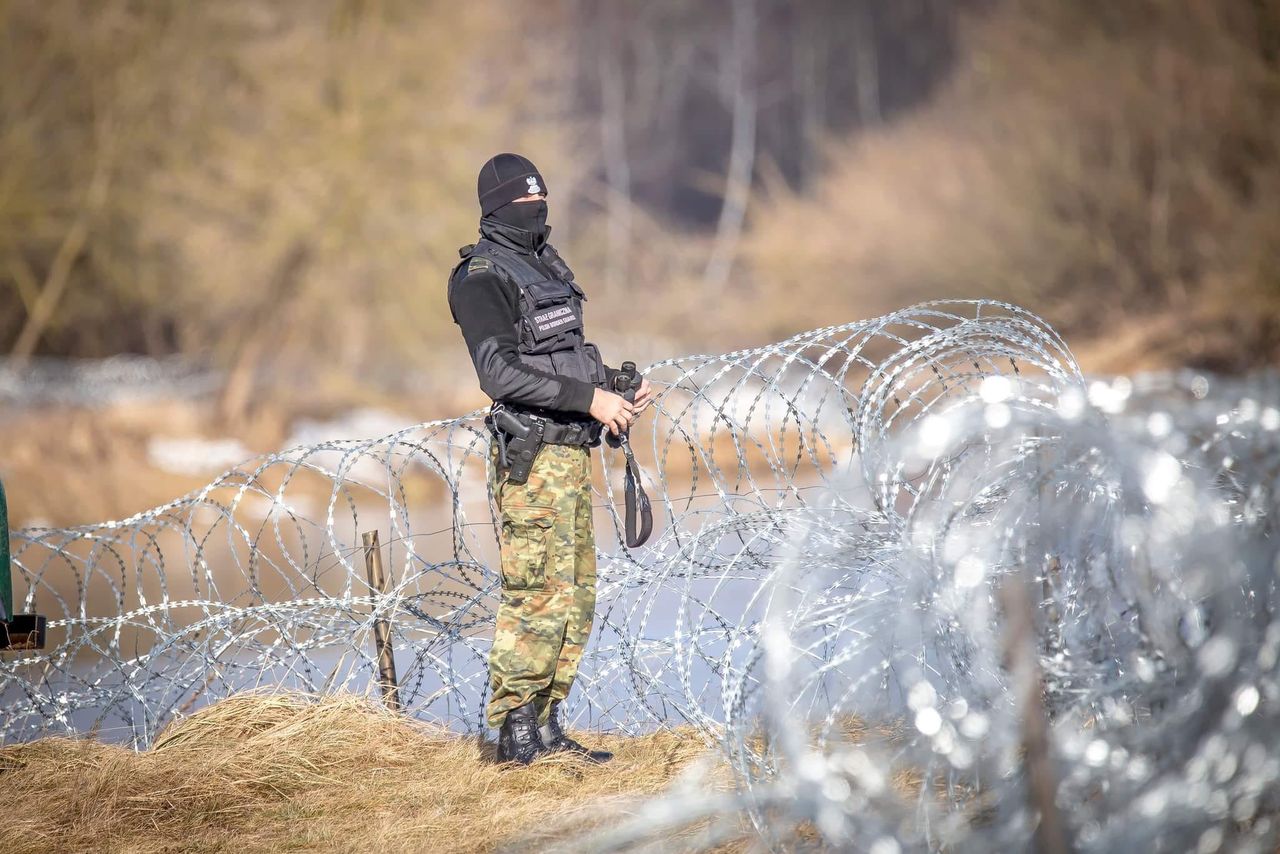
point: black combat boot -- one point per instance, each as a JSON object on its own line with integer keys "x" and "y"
{"x": 553, "y": 738}
{"x": 518, "y": 739}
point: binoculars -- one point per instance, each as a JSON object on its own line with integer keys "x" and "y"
{"x": 627, "y": 381}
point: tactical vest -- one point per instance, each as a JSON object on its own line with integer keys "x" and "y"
{"x": 549, "y": 330}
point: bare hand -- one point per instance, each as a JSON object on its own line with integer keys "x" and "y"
{"x": 612, "y": 410}
{"x": 644, "y": 396}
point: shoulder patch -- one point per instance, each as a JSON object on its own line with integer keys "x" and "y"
{"x": 476, "y": 265}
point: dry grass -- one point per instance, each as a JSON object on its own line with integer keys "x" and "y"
{"x": 288, "y": 773}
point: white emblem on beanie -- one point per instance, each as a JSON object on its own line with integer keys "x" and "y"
{"x": 534, "y": 189}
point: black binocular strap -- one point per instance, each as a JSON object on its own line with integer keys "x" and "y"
{"x": 635, "y": 497}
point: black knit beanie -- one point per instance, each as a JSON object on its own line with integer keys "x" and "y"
{"x": 504, "y": 178}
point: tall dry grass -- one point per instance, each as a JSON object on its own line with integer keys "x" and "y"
{"x": 292, "y": 773}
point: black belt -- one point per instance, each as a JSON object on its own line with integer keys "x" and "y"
{"x": 555, "y": 430}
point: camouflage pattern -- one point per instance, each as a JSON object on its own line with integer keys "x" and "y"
{"x": 548, "y": 581}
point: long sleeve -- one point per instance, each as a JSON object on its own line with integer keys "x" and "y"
{"x": 487, "y": 308}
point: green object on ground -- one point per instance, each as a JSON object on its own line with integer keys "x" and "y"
{"x": 6, "y": 576}
{"x": 17, "y": 631}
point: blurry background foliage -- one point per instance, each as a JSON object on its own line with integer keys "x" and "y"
{"x": 279, "y": 188}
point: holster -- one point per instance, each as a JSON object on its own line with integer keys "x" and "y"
{"x": 520, "y": 437}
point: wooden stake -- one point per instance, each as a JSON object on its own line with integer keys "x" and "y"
{"x": 381, "y": 627}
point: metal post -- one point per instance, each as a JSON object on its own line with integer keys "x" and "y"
{"x": 1051, "y": 835}
{"x": 1016, "y": 597}
{"x": 381, "y": 627}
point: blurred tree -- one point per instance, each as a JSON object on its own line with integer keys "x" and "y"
{"x": 815, "y": 69}
{"x": 163, "y": 168}
{"x": 279, "y": 188}
{"x": 1116, "y": 166}
{"x": 68, "y": 166}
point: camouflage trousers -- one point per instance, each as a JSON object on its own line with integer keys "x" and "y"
{"x": 548, "y": 581}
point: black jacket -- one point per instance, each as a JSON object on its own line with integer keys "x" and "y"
{"x": 486, "y": 306}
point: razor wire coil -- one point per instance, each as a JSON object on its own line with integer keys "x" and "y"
{"x": 835, "y": 516}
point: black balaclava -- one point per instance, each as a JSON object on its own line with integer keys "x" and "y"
{"x": 503, "y": 178}
{"x": 526, "y": 216}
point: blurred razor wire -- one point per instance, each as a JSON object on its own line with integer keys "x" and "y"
{"x": 922, "y": 585}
